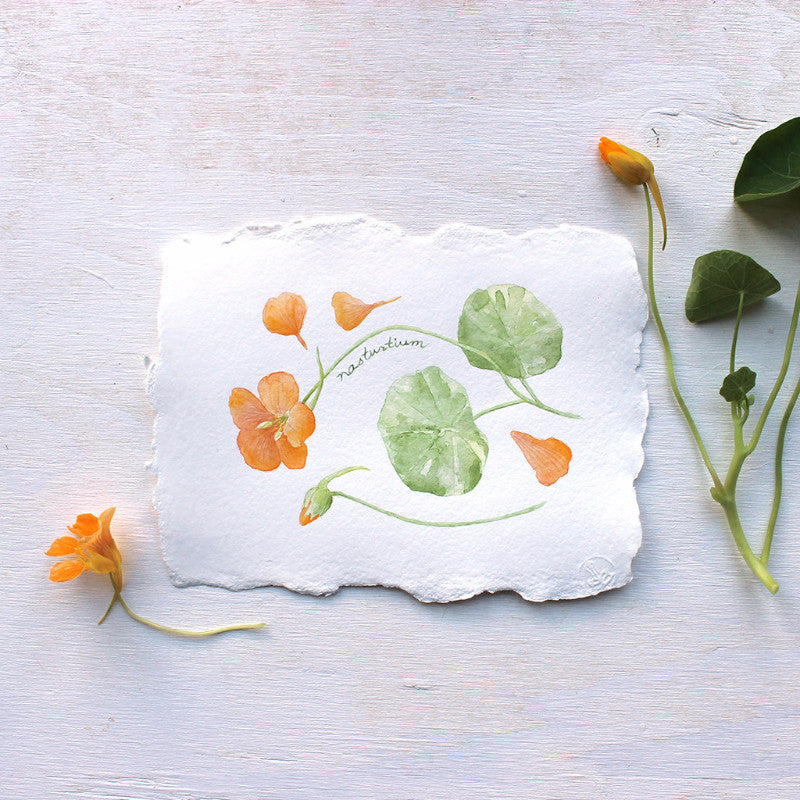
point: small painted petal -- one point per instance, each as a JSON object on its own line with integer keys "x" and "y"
{"x": 350, "y": 312}
{"x": 549, "y": 457}
{"x": 64, "y": 546}
{"x": 66, "y": 570}
{"x": 285, "y": 315}
{"x": 279, "y": 392}
{"x": 85, "y": 525}
{"x": 247, "y": 410}
{"x": 259, "y": 450}
{"x": 300, "y": 424}
{"x": 293, "y": 457}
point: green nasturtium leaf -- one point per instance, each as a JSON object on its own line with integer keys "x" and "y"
{"x": 772, "y": 165}
{"x": 736, "y": 385}
{"x": 517, "y": 331}
{"x": 720, "y": 278}
{"x": 430, "y": 436}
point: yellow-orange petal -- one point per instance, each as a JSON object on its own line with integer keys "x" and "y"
{"x": 350, "y": 312}
{"x": 300, "y": 424}
{"x": 64, "y": 546}
{"x": 279, "y": 392}
{"x": 66, "y": 570}
{"x": 106, "y": 517}
{"x": 285, "y": 315}
{"x": 247, "y": 410}
{"x": 85, "y": 525}
{"x": 100, "y": 551}
{"x": 549, "y": 457}
{"x": 259, "y": 449}
{"x": 629, "y": 165}
{"x": 293, "y": 457}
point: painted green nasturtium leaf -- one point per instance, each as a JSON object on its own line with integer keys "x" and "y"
{"x": 772, "y": 165}
{"x": 720, "y": 278}
{"x": 517, "y": 331}
{"x": 736, "y": 386}
{"x": 430, "y": 436}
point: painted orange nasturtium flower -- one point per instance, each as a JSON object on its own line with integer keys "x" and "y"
{"x": 350, "y": 312}
{"x": 274, "y": 428}
{"x": 549, "y": 457}
{"x": 635, "y": 168}
{"x": 93, "y": 549}
{"x": 285, "y": 315}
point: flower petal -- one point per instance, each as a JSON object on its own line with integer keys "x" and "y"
{"x": 247, "y": 410}
{"x": 300, "y": 424}
{"x": 279, "y": 392}
{"x": 350, "y": 312}
{"x": 549, "y": 457}
{"x": 106, "y": 517}
{"x": 285, "y": 315}
{"x": 259, "y": 450}
{"x": 63, "y": 546}
{"x": 85, "y": 525}
{"x": 293, "y": 457}
{"x": 66, "y": 570}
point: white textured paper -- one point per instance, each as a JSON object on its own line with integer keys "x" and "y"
{"x": 226, "y": 524}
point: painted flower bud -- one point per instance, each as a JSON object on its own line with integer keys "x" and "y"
{"x": 316, "y": 502}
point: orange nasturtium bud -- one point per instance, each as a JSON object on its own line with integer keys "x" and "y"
{"x": 285, "y": 315}
{"x": 320, "y": 498}
{"x": 634, "y": 168}
{"x": 316, "y": 502}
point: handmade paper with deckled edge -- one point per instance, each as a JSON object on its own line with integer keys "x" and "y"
{"x": 225, "y": 524}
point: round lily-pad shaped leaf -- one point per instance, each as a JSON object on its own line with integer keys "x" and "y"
{"x": 430, "y": 436}
{"x": 519, "y": 333}
{"x": 720, "y": 279}
{"x": 772, "y": 165}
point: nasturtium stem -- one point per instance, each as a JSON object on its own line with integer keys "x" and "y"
{"x": 776, "y": 496}
{"x": 724, "y": 494}
{"x": 110, "y": 606}
{"x": 736, "y": 332}
{"x": 759, "y": 569}
{"x": 787, "y": 355}
{"x": 668, "y": 350}
{"x": 176, "y": 631}
{"x": 320, "y": 382}
{"x": 497, "y": 408}
{"x": 537, "y": 402}
{"x": 442, "y": 337}
{"x": 430, "y": 524}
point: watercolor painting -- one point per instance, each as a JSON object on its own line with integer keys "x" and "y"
{"x": 328, "y": 415}
{"x": 427, "y": 422}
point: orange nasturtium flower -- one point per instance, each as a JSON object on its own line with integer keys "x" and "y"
{"x": 285, "y": 315}
{"x": 93, "y": 549}
{"x": 351, "y": 312}
{"x": 549, "y": 457}
{"x": 635, "y": 168}
{"x": 274, "y": 428}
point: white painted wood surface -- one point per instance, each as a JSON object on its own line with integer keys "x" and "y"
{"x": 126, "y": 124}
